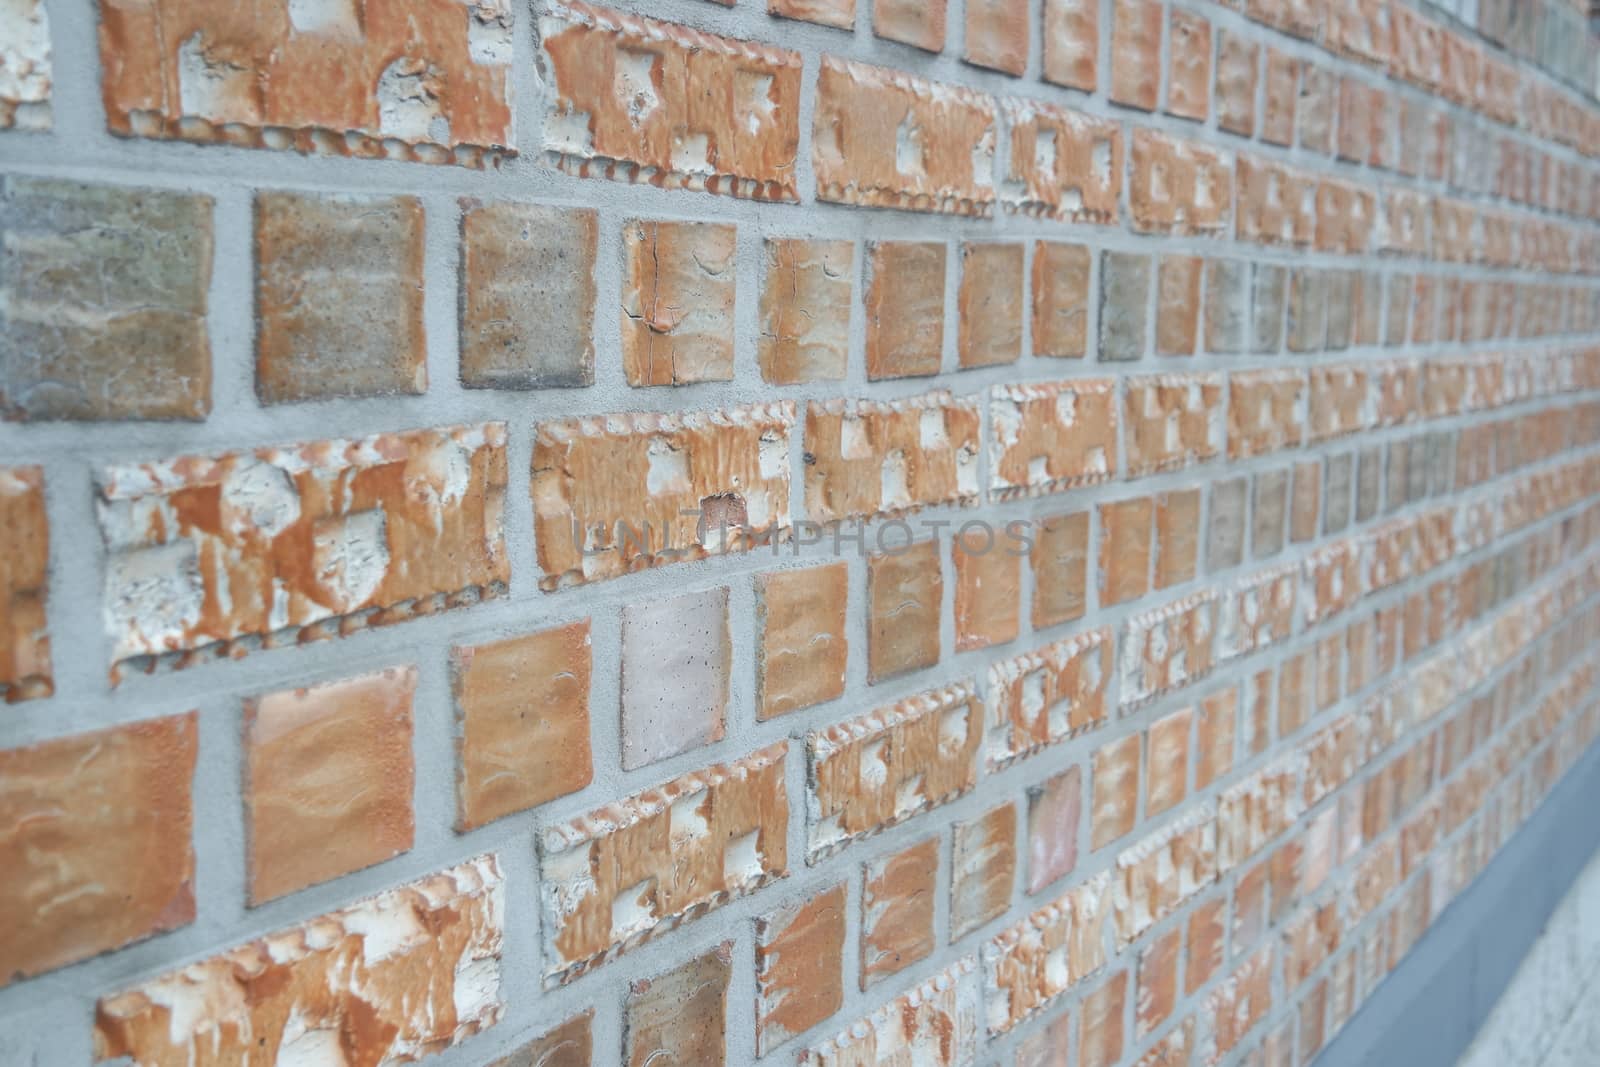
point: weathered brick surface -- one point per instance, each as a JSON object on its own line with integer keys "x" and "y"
{"x": 1295, "y": 645}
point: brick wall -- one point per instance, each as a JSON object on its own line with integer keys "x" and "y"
{"x": 1017, "y": 533}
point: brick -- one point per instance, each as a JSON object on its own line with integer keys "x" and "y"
{"x": 883, "y": 138}
{"x": 1071, "y": 43}
{"x": 626, "y": 872}
{"x": 1277, "y": 206}
{"x": 522, "y": 714}
{"x": 988, "y": 573}
{"x": 1178, "y": 187}
{"x": 1237, "y": 65}
{"x": 921, "y": 25}
{"x": 527, "y": 295}
{"x": 905, "y": 308}
{"x": 1136, "y": 53}
{"x": 1225, "y": 536}
{"x": 1177, "y": 537}
{"x": 666, "y": 488}
{"x": 1215, "y": 730}
{"x": 105, "y": 303}
{"x": 935, "y": 1024}
{"x": 1167, "y": 647}
{"x": 1124, "y": 305}
{"x": 904, "y": 592}
{"x": 1189, "y": 65}
{"x": 1100, "y": 1040}
{"x": 1395, "y": 322}
{"x": 1126, "y": 548}
{"x": 1266, "y": 412}
{"x": 1227, "y": 306}
{"x": 805, "y": 310}
{"x": 1173, "y": 421}
{"x": 1158, "y": 875}
{"x": 799, "y": 964}
{"x": 1269, "y": 507}
{"x": 897, "y": 901}
{"x": 1233, "y": 1008}
{"x": 1053, "y": 812}
{"x": 331, "y": 85}
{"x": 445, "y": 928}
{"x": 1307, "y": 500}
{"x": 983, "y": 869}
{"x": 676, "y": 657}
{"x": 887, "y": 766}
{"x": 680, "y": 1016}
{"x": 1308, "y": 310}
{"x": 569, "y": 1045}
{"x": 1060, "y": 300}
{"x": 1269, "y": 291}
{"x": 25, "y": 102}
{"x": 1205, "y": 943}
{"x": 804, "y": 646}
{"x": 25, "y": 672}
{"x": 840, "y": 14}
{"x": 997, "y": 35}
{"x": 678, "y": 290}
{"x": 990, "y": 304}
{"x": 1340, "y": 297}
{"x": 1346, "y": 217}
{"x": 1282, "y": 88}
{"x": 1036, "y": 960}
{"x": 1157, "y": 982}
{"x": 1115, "y": 797}
{"x": 630, "y": 98}
{"x": 1168, "y": 771}
{"x": 1315, "y": 110}
{"x": 867, "y": 458}
{"x": 339, "y": 290}
{"x": 332, "y": 534}
{"x": 1043, "y": 697}
{"x": 1173, "y": 1048}
{"x": 1047, "y": 1046}
{"x": 1059, "y": 561}
{"x": 1064, "y": 164}
{"x": 1178, "y": 305}
{"x": 1051, "y": 436}
{"x": 328, "y": 780}
{"x": 98, "y": 852}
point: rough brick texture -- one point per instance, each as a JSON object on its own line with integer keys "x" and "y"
{"x": 999, "y": 533}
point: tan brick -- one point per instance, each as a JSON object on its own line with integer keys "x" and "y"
{"x": 1177, "y": 537}
{"x": 527, "y": 295}
{"x": 869, "y": 118}
{"x": 1115, "y": 782}
{"x": 1205, "y": 938}
{"x": 1071, "y": 43}
{"x": 1049, "y": 1045}
{"x": 305, "y": 540}
{"x": 1158, "y": 982}
{"x": 1168, "y": 777}
{"x": 1189, "y": 65}
{"x": 25, "y": 672}
{"x": 1063, "y": 165}
{"x": 905, "y": 308}
{"x": 990, "y": 304}
{"x": 804, "y": 646}
{"x": 97, "y": 850}
{"x": 445, "y": 927}
{"x": 805, "y": 310}
{"x": 1060, "y": 299}
{"x": 840, "y": 14}
{"x": 1282, "y": 90}
{"x": 919, "y": 23}
{"x": 878, "y": 770}
{"x": 328, "y": 780}
{"x": 637, "y": 867}
{"x": 1050, "y": 437}
{"x": 1126, "y": 548}
{"x": 678, "y": 290}
{"x": 997, "y": 35}
{"x": 935, "y": 1024}
{"x": 1237, "y": 64}
{"x": 897, "y": 902}
{"x": 1059, "y": 560}
{"x": 1053, "y": 811}
{"x": 25, "y": 53}
{"x": 664, "y": 488}
{"x": 799, "y": 960}
{"x": 1214, "y": 751}
{"x": 983, "y": 869}
{"x": 680, "y": 1016}
{"x": 339, "y": 287}
{"x": 522, "y": 709}
{"x": 1178, "y": 305}
{"x": 871, "y": 458}
{"x": 1173, "y": 421}
{"x": 262, "y": 78}
{"x": 1100, "y": 1038}
{"x": 1136, "y": 53}
{"x": 106, "y": 291}
{"x": 569, "y": 1045}
{"x": 988, "y": 571}
{"x": 1044, "y": 954}
{"x": 646, "y": 101}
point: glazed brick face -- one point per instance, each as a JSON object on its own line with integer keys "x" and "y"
{"x": 1127, "y": 474}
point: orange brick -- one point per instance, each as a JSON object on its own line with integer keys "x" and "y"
{"x": 905, "y": 590}
{"x": 24, "y": 586}
{"x": 1126, "y": 543}
{"x": 1136, "y": 53}
{"x": 1060, "y": 299}
{"x": 990, "y": 304}
{"x": 680, "y": 1016}
{"x": 1239, "y": 1003}
{"x": 569, "y": 1045}
{"x": 677, "y": 302}
{"x": 1277, "y": 205}
{"x": 1282, "y": 89}
{"x": 805, "y": 310}
{"x": 897, "y": 911}
{"x": 1177, "y": 305}
{"x": 840, "y": 14}
{"x": 1071, "y": 43}
{"x": 1048, "y": 437}
{"x": 1177, "y": 537}
{"x": 911, "y": 22}
{"x": 1179, "y": 187}
{"x": 799, "y": 960}
{"x": 983, "y": 869}
{"x": 1189, "y": 65}
{"x": 1063, "y": 165}
{"x": 1040, "y": 957}
{"x": 1100, "y": 1039}
{"x": 1206, "y": 938}
{"x": 1059, "y": 560}
{"x": 1237, "y": 63}
{"x": 905, "y": 309}
{"x": 1168, "y": 780}
{"x": 1158, "y": 982}
{"x": 804, "y": 646}
{"x": 997, "y": 34}
{"x": 933, "y": 1024}
{"x": 1043, "y": 697}
{"x": 1173, "y": 421}
{"x": 628, "y": 98}
{"x": 869, "y": 458}
{"x": 1214, "y": 753}
{"x": 97, "y": 854}
{"x": 522, "y": 708}
{"x": 988, "y": 588}
{"x": 347, "y": 745}
{"x": 1115, "y": 781}
{"x": 1266, "y": 412}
